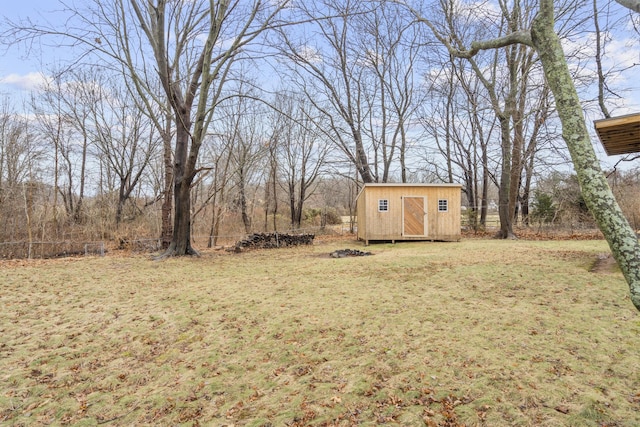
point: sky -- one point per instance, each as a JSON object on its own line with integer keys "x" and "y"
{"x": 19, "y": 69}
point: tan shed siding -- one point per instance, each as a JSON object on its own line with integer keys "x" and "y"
{"x": 361, "y": 215}
{"x": 383, "y": 225}
{"x": 445, "y": 225}
{"x": 374, "y": 225}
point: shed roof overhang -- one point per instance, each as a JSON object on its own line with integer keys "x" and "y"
{"x": 619, "y": 135}
{"x": 391, "y": 184}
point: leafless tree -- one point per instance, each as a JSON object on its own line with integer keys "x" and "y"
{"x": 329, "y": 69}
{"x": 243, "y": 130}
{"x": 271, "y": 182}
{"x": 301, "y": 150}
{"x": 21, "y": 164}
{"x": 504, "y": 88}
{"x": 125, "y": 138}
{"x": 218, "y": 156}
{"x": 63, "y": 109}
{"x": 461, "y": 124}
{"x": 391, "y": 48}
{"x": 595, "y": 189}
{"x": 190, "y": 45}
{"x": 52, "y": 127}
{"x": 356, "y": 62}
{"x": 194, "y": 45}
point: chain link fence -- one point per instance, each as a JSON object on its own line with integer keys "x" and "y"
{"x": 47, "y": 250}
{"x": 44, "y": 250}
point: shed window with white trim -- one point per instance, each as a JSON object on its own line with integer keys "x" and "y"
{"x": 443, "y": 205}
{"x": 383, "y": 205}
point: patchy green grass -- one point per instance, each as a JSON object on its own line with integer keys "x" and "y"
{"x": 481, "y": 332}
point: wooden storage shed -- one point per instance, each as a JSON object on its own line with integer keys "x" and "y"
{"x": 391, "y": 212}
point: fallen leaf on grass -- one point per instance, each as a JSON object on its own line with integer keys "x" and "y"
{"x": 235, "y": 409}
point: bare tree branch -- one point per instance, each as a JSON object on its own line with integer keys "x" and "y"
{"x": 630, "y": 4}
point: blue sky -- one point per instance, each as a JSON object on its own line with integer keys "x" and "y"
{"x": 19, "y": 69}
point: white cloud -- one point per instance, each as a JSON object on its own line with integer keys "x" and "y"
{"x": 623, "y": 53}
{"x": 310, "y": 54}
{"x": 30, "y": 81}
{"x": 476, "y": 11}
{"x": 619, "y": 61}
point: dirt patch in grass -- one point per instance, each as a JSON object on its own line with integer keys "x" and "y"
{"x": 604, "y": 264}
{"x": 481, "y": 332}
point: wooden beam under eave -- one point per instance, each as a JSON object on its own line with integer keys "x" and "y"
{"x": 619, "y": 135}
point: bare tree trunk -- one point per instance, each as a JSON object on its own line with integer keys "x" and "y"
{"x": 526, "y": 191}
{"x": 166, "y": 229}
{"x": 403, "y": 151}
{"x": 300, "y": 202}
{"x": 484, "y": 203}
{"x": 214, "y": 232}
{"x": 28, "y": 211}
{"x": 56, "y": 174}
{"x": 630, "y": 4}
{"x": 270, "y": 187}
{"x": 246, "y": 220}
{"x": 275, "y": 202}
{"x": 120, "y": 205}
{"x": 77, "y": 213}
{"x": 267, "y": 202}
{"x": 598, "y": 57}
{"x": 181, "y": 239}
{"x": 504, "y": 211}
{"x": 193, "y": 79}
{"x": 292, "y": 205}
{"x": 448, "y": 123}
{"x": 516, "y": 160}
{"x": 593, "y": 183}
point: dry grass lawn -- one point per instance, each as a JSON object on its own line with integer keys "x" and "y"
{"x": 481, "y": 332}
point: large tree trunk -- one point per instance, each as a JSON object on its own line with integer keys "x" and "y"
{"x": 506, "y": 224}
{"x": 362, "y": 164}
{"x": 595, "y": 189}
{"x": 181, "y": 242}
{"x": 181, "y": 239}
